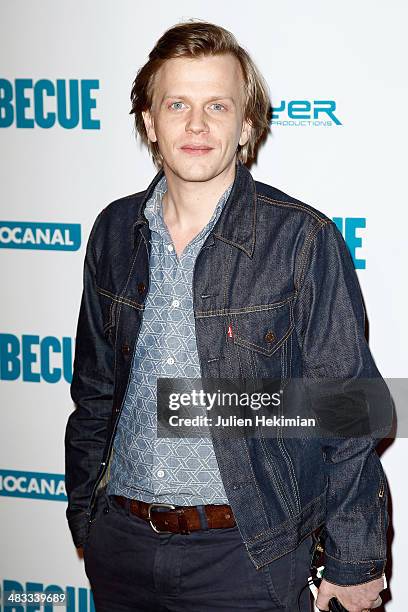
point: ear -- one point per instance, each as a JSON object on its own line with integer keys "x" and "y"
{"x": 149, "y": 125}
{"x": 245, "y": 132}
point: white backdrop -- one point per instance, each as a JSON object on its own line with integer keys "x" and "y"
{"x": 352, "y": 54}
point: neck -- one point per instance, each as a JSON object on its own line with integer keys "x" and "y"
{"x": 189, "y": 205}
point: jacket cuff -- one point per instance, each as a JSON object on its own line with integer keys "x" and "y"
{"x": 78, "y": 524}
{"x": 349, "y": 573}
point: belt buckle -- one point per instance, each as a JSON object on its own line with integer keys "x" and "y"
{"x": 149, "y": 518}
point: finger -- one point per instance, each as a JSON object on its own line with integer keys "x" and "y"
{"x": 322, "y": 606}
{"x": 377, "y": 602}
{"x": 322, "y": 603}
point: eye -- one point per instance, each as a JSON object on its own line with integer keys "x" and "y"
{"x": 217, "y": 106}
{"x": 177, "y": 105}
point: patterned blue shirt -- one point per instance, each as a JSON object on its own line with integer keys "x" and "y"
{"x": 181, "y": 471}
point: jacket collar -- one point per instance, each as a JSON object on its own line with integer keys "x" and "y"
{"x": 237, "y": 222}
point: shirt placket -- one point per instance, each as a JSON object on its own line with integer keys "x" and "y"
{"x": 170, "y": 366}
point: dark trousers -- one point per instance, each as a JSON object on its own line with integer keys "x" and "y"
{"x": 131, "y": 568}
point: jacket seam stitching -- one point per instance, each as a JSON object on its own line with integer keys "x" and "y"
{"x": 292, "y": 205}
{"x": 119, "y": 299}
{"x": 244, "y": 310}
{"x": 382, "y": 559}
{"x": 306, "y": 250}
{"x": 275, "y": 475}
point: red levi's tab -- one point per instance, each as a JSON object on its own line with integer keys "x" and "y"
{"x": 229, "y": 332}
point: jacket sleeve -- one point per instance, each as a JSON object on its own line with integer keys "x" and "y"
{"x": 91, "y": 391}
{"x": 330, "y": 323}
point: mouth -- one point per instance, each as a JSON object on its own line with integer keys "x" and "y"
{"x": 192, "y": 149}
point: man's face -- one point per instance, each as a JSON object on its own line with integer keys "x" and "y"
{"x": 197, "y": 116}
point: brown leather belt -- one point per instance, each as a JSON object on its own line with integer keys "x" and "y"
{"x": 178, "y": 519}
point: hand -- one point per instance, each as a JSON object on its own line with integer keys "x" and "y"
{"x": 355, "y": 598}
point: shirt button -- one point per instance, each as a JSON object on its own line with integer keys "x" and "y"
{"x": 175, "y": 303}
{"x": 170, "y": 247}
{"x": 170, "y": 360}
{"x": 160, "y": 473}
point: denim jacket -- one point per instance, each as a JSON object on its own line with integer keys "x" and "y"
{"x": 270, "y": 264}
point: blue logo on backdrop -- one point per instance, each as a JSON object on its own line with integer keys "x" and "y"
{"x": 21, "y": 597}
{"x": 305, "y": 113}
{"x": 44, "y": 236}
{"x": 348, "y": 227}
{"x": 38, "y": 485}
{"x": 67, "y": 103}
{"x": 32, "y": 359}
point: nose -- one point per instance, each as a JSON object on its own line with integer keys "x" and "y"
{"x": 196, "y": 121}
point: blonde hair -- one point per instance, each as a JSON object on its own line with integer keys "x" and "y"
{"x": 193, "y": 39}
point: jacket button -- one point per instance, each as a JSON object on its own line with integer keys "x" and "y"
{"x": 269, "y": 336}
{"x": 126, "y": 349}
{"x": 141, "y": 287}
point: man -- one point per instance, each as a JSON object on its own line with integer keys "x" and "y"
{"x": 208, "y": 273}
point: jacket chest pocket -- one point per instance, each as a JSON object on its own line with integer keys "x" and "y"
{"x": 257, "y": 337}
{"x": 264, "y": 330}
